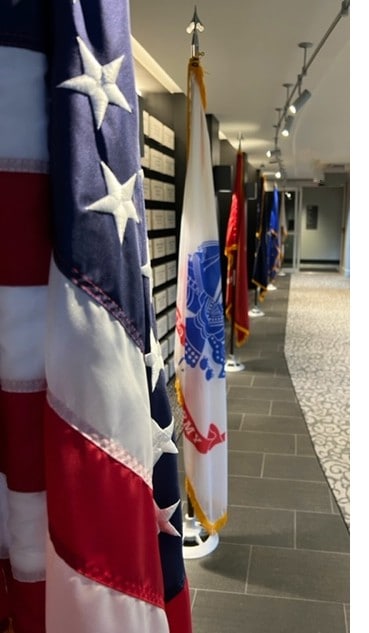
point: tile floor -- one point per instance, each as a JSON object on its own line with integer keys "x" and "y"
{"x": 282, "y": 562}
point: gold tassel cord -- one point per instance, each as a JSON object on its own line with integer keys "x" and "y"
{"x": 194, "y": 68}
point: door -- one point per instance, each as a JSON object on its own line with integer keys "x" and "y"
{"x": 291, "y": 200}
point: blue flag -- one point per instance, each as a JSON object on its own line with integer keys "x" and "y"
{"x": 273, "y": 237}
{"x": 260, "y": 272}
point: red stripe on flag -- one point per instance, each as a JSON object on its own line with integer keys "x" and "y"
{"x": 21, "y": 422}
{"x": 27, "y": 606}
{"x": 4, "y": 595}
{"x": 179, "y": 612}
{"x": 101, "y": 514}
{"x": 25, "y": 234}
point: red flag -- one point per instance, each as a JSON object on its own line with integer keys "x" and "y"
{"x": 235, "y": 250}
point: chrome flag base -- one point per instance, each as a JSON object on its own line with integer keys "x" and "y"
{"x": 196, "y": 541}
{"x": 256, "y": 312}
{"x": 233, "y": 365}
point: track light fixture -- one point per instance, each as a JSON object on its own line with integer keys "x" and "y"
{"x": 273, "y": 153}
{"x": 287, "y": 126}
{"x": 300, "y": 101}
{"x": 286, "y": 114}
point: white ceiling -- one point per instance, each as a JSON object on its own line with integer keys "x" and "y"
{"x": 250, "y": 50}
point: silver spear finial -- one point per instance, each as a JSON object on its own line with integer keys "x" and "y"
{"x": 195, "y": 27}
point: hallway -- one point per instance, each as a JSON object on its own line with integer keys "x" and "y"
{"x": 282, "y": 563}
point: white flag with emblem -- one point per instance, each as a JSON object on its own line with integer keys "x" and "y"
{"x": 200, "y": 334}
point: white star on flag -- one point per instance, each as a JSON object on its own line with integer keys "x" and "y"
{"x": 162, "y": 440}
{"x": 98, "y": 83}
{"x": 118, "y": 202}
{"x": 146, "y": 271}
{"x": 154, "y": 360}
{"x": 163, "y": 515}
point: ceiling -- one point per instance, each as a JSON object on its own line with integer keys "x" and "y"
{"x": 251, "y": 48}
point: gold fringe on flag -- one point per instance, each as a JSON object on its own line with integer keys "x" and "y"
{"x": 194, "y": 68}
{"x": 211, "y": 528}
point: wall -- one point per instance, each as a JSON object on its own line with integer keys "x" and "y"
{"x": 323, "y": 244}
{"x": 172, "y": 111}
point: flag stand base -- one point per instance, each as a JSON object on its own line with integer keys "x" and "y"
{"x": 196, "y": 541}
{"x": 233, "y": 365}
{"x": 256, "y": 312}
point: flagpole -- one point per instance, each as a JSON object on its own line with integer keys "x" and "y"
{"x": 256, "y": 311}
{"x": 232, "y": 364}
{"x": 233, "y": 318}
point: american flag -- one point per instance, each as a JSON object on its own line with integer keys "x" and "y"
{"x": 80, "y": 326}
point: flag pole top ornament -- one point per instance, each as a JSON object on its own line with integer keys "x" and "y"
{"x": 195, "y": 27}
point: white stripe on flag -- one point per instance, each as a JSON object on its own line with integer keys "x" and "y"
{"x": 4, "y": 518}
{"x": 22, "y": 334}
{"x": 23, "y": 115}
{"x": 89, "y": 345}
{"x": 90, "y": 606}
{"x": 27, "y": 529}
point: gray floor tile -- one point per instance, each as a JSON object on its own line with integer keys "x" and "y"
{"x": 259, "y": 526}
{"x": 228, "y": 613}
{"x": 304, "y": 445}
{"x": 276, "y": 382}
{"x": 261, "y": 442}
{"x": 249, "y": 406}
{"x": 270, "y": 366}
{"x": 239, "y": 378}
{"x": 234, "y": 420}
{"x": 279, "y": 493}
{"x": 299, "y": 574}
{"x": 225, "y": 569}
{"x": 242, "y": 463}
{"x": 282, "y": 371}
{"x": 293, "y": 467}
{"x": 261, "y": 393}
{"x": 321, "y": 532}
{"x": 286, "y": 408}
{"x": 273, "y": 424}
